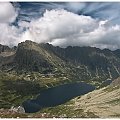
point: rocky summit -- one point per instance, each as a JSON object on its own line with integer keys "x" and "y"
{"x": 29, "y": 68}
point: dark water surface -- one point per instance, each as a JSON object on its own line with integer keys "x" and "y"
{"x": 56, "y": 96}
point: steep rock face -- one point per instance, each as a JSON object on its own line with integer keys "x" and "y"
{"x": 29, "y": 56}
{"x": 101, "y": 62}
{"x": 83, "y": 63}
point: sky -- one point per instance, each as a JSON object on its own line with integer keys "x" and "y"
{"x": 95, "y": 24}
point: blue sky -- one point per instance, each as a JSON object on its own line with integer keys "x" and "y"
{"x": 63, "y": 24}
{"x": 100, "y": 10}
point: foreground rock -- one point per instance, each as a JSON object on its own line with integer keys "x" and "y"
{"x": 9, "y": 113}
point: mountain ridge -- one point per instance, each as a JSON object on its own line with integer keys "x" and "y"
{"x": 31, "y": 56}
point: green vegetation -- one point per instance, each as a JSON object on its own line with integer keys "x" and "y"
{"x": 67, "y": 111}
{"x": 16, "y": 88}
{"x": 15, "y": 91}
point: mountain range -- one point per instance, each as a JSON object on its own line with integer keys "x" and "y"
{"x": 86, "y": 62}
{"x": 29, "y": 68}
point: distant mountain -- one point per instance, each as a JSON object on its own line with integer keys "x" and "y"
{"x": 6, "y": 55}
{"x": 101, "y": 62}
{"x": 83, "y": 62}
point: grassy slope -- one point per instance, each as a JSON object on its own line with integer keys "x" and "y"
{"x": 16, "y": 88}
{"x": 101, "y": 103}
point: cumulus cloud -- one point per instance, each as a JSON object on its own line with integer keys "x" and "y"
{"x": 63, "y": 28}
{"x": 8, "y": 13}
{"x": 59, "y": 24}
{"x": 8, "y": 33}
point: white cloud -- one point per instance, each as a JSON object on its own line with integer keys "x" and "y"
{"x": 8, "y": 13}
{"x": 63, "y": 28}
{"x": 60, "y": 24}
{"x": 8, "y": 33}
